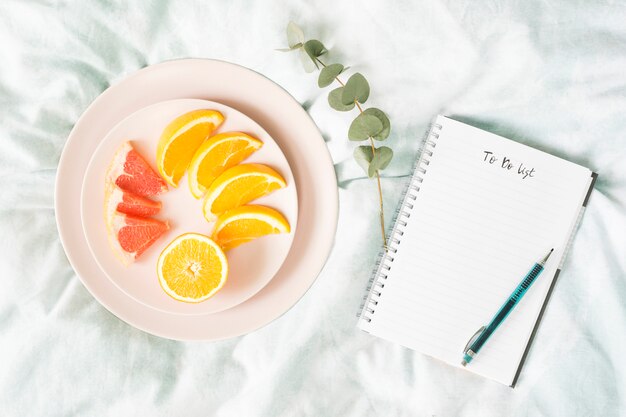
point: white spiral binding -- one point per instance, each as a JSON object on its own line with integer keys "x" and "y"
{"x": 385, "y": 260}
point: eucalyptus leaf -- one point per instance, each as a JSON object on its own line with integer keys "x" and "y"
{"x": 364, "y": 126}
{"x": 363, "y": 156}
{"x": 380, "y": 160}
{"x": 295, "y": 35}
{"x": 383, "y": 134}
{"x": 328, "y": 74}
{"x": 370, "y": 123}
{"x": 307, "y": 64}
{"x": 314, "y": 49}
{"x": 357, "y": 88}
{"x": 334, "y": 100}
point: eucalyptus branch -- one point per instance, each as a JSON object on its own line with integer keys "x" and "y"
{"x": 371, "y": 124}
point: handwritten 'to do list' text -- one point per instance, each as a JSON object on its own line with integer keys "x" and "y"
{"x": 507, "y": 164}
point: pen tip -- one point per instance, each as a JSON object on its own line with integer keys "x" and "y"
{"x": 463, "y": 363}
{"x": 551, "y": 250}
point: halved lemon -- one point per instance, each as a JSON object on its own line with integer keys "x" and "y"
{"x": 180, "y": 140}
{"x": 192, "y": 268}
{"x": 216, "y": 155}
{"x": 246, "y": 223}
{"x": 239, "y": 185}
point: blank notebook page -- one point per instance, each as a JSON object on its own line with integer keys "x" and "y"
{"x": 486, "y": 210}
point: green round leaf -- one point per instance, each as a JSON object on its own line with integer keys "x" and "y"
{"x": 328, "y": 74}
{"x": 357, "y": 88}
{"x": 334, "y": 100}
{"x": 295, "y": 35}
{"x": 380, "y": 160}
{"x": 363, "y": 156}
{"x": 307, "y": 64}
{"x": 380, "y": 115}
{"x": 314, "y": 49}
{"x": 364, "y": 126}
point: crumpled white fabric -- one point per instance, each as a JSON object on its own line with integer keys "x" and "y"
{"x": 548, "y": 74}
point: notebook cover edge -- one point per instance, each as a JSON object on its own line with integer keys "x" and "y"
{"x": 594, "y": 177}
{"x": 535, "y": 327}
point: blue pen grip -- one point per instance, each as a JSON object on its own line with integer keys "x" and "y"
{"x": 507, "y": 307}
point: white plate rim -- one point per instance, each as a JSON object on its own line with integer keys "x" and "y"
{"x": 123, "y": 311}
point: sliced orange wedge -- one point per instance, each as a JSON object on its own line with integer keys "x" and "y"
{"x": 192, "y": 268}
{"x": 180, "y": 140}
{"x": 239, "y": 185}
{"x": 246, "y": 223}
{"x": 216, "y": 155}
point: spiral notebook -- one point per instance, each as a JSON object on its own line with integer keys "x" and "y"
{"x": 479, "y": 211}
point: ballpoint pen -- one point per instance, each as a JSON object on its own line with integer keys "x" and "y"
{"x": 481, "y": 336}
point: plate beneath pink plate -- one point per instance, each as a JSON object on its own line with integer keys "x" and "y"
{"x": 251, "y": 266}
{"x": 285, "y": 121}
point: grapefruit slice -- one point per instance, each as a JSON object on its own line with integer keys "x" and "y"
{"x": 130, "y": 171}
{"x": 129, "y": 203}
{"x": 130, "y": 236}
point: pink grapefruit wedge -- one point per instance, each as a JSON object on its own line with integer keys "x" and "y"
{"x": 130, "y": 203}
{"x": 130, "y": 172}
{"x": 130, "y": 236}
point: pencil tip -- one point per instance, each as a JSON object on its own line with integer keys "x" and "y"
{"x": 545, "y": 258}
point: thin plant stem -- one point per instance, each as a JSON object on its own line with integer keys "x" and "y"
{"x": 336, "y": 78}
{"x": 380, "y": 188}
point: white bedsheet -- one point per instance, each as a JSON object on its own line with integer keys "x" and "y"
{"x": 549, "y": 74}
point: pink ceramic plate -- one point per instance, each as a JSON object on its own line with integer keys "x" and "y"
{"x": 287, "y": 123}
{"x": 251, "y": 266}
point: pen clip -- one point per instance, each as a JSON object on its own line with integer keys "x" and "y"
{"x": 471, "y": 340}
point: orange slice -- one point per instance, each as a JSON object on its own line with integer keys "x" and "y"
{"x": 240, "y": 185}
{"x": 216, "y": 155}
{"x": 180, "y": 140}
{"x": 192, "y": 268}
{"x": 245, "y": 223}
